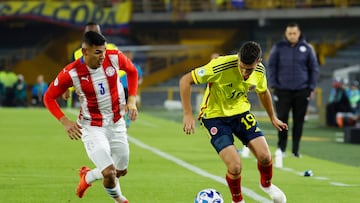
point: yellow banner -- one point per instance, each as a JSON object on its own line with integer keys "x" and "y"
{"x": 73, "y": 14}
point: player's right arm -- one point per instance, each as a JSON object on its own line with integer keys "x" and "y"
{"x": 61, "y": 83}
{"x": 185, "y": 94}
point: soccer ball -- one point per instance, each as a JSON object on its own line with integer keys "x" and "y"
{"x": 208, "y": 195}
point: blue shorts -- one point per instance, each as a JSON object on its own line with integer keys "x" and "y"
{"x": 222, "y": 129}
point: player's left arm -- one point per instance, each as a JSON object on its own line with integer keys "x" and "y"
{"x": 132, "y": 79}
{"x": 140, "y": 73}
{"x": 266, "y": 101}
{"x": 265, "y": 98}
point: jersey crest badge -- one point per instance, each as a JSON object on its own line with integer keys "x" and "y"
{"x": 110, "y": 71}
{"x": 213, "y": 130}
{"x": 201, "y": 72}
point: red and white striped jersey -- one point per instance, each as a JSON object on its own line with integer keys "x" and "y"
{"x": 100, "y": 92}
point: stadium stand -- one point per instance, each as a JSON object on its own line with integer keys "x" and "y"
{"x": 17, "y": 45}
{"x": 172, "y": 36}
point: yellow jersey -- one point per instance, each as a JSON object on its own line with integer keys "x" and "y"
{"x": 226, "y": 91}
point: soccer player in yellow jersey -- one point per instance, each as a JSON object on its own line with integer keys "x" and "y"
{"x": 225, "y": 113}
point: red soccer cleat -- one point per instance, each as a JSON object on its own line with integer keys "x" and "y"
{"x": 123, "y": 199}
{"x": 83, "y": 185}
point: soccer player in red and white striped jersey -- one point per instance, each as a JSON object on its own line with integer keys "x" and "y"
{"x": 100, "y": 124}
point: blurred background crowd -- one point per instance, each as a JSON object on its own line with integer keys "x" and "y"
{"x": 170, "y": 37}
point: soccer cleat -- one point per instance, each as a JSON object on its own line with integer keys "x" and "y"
{"x": 83, "y": 185}
{"x": 123, "y": 199}
{"x": 296, "y": 155}
{"x": 275, "y": 193}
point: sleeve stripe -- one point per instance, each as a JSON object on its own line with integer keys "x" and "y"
{"x": 225, "y": 66}
{"x": 260, "y": 69}
{"x": 194, "y": 77}
{"x": 230, "y": 62}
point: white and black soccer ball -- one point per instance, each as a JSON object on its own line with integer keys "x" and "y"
{"x": 208, "y": 195}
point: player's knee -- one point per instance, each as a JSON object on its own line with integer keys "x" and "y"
{"x": 233, "y": 174}
{"x": 121, "y": 173}
{"x": 264, "y": 159}
{"x": 234, "y": 168}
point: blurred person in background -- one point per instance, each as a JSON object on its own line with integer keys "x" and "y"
{"x": 100, "y": 124}
{"x": 338, "y": 101}
{"x": 347, "y": 109}
{"x": 123, "y": 79}
{"x": 225, "y": 113}
{"x": 293, "y": 73}
{"x": 9, "y": 79}
{"x": 20, "y": 88}
{"x": 2, "y": 85}
{"x": 38, "y": 91}
{"x": 353, "y": 94}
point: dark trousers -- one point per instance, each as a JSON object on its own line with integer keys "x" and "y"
{"x": 297, "y": 102}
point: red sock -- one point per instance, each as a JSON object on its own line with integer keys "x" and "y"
{"x": 235, "y": 188}
{"x": 265, "y": 174}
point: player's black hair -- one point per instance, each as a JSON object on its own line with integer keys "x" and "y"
{"x": 91, "y": 23}
{"x": 250, "y": 52}
{"x": 293, "y": 24}
{"x": 93, "y": 38}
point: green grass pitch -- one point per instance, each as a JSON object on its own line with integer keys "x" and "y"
{"x": 39, "y": 163}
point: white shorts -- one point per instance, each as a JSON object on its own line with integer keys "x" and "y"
{"x": 107, "y": 145}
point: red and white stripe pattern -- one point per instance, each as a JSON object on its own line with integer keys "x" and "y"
{"x": 100, "y": 91}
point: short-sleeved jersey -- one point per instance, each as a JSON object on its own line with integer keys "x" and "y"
{"x": 99, "y": 90}
{"x": 226, "y": 91}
